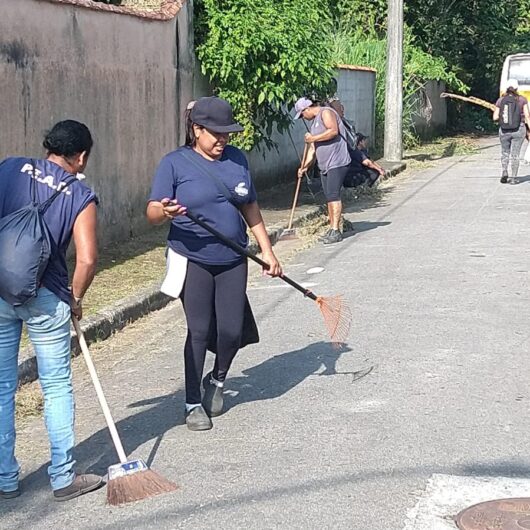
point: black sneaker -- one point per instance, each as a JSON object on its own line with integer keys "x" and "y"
{"x": 334, "y": 237}
{"x": 325, "y": 234}
{"x": 198, "y": 420}
{"x": 9, "y": 494}
{"x": 212, "y": 400}
{"x": 504, "y": 178}
{"x": 82, "y": 484}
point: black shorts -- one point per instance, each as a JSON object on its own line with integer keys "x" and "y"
{"x": 332, "y": 182}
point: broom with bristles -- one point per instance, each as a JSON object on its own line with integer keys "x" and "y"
{"x": 335, "y": 311}
{"x": 470, "y": 99}
{"x": 130, "y": 480}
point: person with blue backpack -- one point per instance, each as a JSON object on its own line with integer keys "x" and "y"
{"x": 511, "y": 112}
{"x": 43, "y": 204}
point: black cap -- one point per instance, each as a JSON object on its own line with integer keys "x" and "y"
{"x": 215, "y": 114}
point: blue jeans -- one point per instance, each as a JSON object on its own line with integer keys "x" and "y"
{"x": 48, "y": 323}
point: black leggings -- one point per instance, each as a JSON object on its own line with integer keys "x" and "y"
{"x": 207, "y": 288}
{"x": 332, "y": 182}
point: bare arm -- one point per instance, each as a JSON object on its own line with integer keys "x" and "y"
{"x": 159, "y": 212}
{"x": 86, "y": 255}
{"x": 332, "y": 128}
{"x": 252, "y": 215}
{"x": 309, "y": 160}
{"x": 372, "y": 165}
{"x": 527, "y": 115}
{"x": 496, "y": 114}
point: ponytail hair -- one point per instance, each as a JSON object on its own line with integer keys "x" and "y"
{"x": 190, "y": 135}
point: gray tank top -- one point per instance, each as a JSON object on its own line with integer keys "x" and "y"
{"x": 333, "y": 153}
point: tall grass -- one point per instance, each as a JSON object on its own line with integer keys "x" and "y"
{"x": 418, "y": 68}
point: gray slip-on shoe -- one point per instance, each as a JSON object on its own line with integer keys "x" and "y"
{"x": 198, "y": 420}
{"x": 82, "y": 484}
{"x": 212, "y": 400}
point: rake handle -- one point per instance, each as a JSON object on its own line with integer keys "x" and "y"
{"x": 99, "y": 391}
{"x": 244, "y": 252}
{"x": 295, "y": 200}
{"x": 297, "y": 191}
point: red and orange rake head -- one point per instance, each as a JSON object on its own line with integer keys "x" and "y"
{"x": 337, "y": 318}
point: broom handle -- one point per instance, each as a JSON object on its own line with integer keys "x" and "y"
{"x": 299, "y": 181}
{"x": 99, "y": 391}
{"x": 477, "y": 101}
{"x": 244, "y": 252}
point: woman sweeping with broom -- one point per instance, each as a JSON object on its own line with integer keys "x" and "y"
{"x": 212, "y": 179}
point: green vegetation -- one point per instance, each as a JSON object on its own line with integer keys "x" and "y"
{"x": 261, "y": 54}
{"x": 473, "y": 36}
{"x": 419, "y": 67}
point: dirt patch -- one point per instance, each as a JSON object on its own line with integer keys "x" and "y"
{"x": 28, "y": 401}
{"x": 425, "y": 156}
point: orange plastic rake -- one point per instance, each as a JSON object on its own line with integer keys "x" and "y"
{"x": 335, "y": 312}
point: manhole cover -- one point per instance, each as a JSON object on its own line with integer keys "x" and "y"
{"x": 502, "y": 514}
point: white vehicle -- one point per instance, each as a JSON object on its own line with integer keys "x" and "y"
{"x": 517, "y": 67}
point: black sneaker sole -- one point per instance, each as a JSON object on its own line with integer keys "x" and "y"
{"x": 79, "y": 492}
{"x": 332, "y": 241}
{"x": 9, "y": 494}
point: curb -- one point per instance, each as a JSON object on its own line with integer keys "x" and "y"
{"x": 103, "y": 324}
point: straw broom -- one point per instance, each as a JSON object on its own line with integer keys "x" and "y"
{"x": 130, "y": 480}
{"x": 470, "y": 99}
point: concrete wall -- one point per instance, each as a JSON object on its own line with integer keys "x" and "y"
{"x": 430, "y": 118}
{"x": 356, "y": 90}
{"x": 119, "y": 74}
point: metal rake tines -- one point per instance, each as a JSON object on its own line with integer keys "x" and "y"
{"x": 337, "y": 317}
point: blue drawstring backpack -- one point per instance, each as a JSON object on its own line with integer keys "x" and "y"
{"x": 25, "y": 247}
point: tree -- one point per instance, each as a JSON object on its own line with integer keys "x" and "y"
{"x": 263, "y": 54}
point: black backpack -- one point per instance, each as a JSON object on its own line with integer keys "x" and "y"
{"x": 25, "y": 247}
{"x": 510, "y": 113}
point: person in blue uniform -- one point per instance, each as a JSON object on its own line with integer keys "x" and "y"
{"x": 47, "y": 316}
{"x": 210, "y": 178}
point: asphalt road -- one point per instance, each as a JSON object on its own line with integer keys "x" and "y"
{"x": 435, "y": 378}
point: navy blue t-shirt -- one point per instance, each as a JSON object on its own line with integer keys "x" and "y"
{"x": 15, "y": 193}
{"x": 358, "y": 156}
{"x": 180, "y": 179}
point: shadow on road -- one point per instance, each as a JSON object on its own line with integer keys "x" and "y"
{"x": 281, "y": 373}
{"x": 268, "y": 380}
{"x": 523, "y": 180}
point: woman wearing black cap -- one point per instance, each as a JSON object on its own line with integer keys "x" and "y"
{"x": 212, "y": 179}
